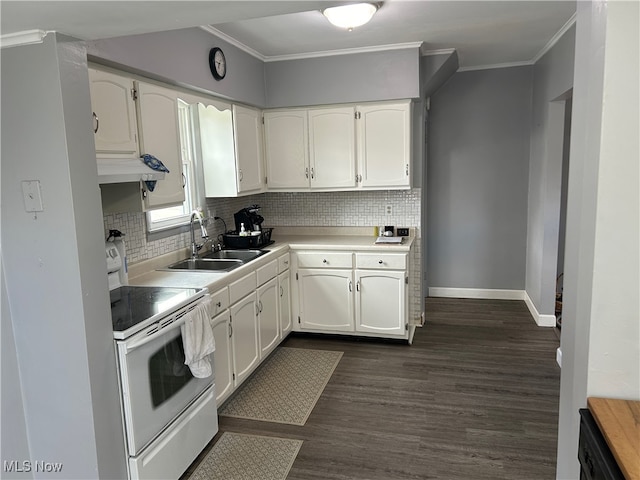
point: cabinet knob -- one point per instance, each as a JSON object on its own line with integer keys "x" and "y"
{"x": 325, "y": 261}
{"x": 380, "y": 262}
{"x": 219, "y": 304}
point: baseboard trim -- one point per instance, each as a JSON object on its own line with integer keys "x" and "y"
{"x": 559, "y": 357}
{"x": 486, "y": 293}
{"x": 495, "y": 294}
{"x": 540, "y": 319}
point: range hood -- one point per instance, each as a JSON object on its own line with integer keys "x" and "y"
{"x": 123, "y": 170}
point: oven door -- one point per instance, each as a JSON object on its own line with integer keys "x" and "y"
{"x": 156, "y": 384}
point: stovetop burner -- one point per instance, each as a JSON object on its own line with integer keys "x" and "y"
{"x": 135, "y": 307}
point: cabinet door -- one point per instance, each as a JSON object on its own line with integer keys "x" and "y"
{"x": 216, "y": 150}
{"x": 381, "y": 302}
{"x": 248, "y": 143}
{"x": 222, "y": 358}
{"x": 245, "y": 337}
{"x": 287, "y": 149}
{"x": 384, "y": 145}
{"x": 332, "y": 148}
{"x": 326, "y": 299}
{"x": 284, "y": 303}
{"x": 114, "y": 113}
{"x": 160, "y": 137}
{"x": 268, "y": 319}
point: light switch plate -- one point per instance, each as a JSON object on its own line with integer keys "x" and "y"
{"x": 32, "y": 196}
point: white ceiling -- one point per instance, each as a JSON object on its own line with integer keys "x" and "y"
{"x": 484, "y": 33}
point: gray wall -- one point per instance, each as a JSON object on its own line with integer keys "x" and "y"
{"x": 181, "y": 57}
{"x": 14, "y": 445}
{"x": 477, "y": 171}
{"x": 553, "y": 79}
{"x": 600, "y": 330}
{"x": 357, "y": 77}
{"x": 54, "y": 264}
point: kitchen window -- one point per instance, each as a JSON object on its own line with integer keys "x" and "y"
{"x": 171, "y": 217}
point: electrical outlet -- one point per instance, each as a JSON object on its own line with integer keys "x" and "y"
{"x": 402, "y": 232}
{"x": 388, "y": 210}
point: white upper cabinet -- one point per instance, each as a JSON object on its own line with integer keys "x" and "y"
{"x": 160, "y": 137}
{"x": 287, "y": 150}
{"x": 384, "y": 145}
{"x": 248, "y": 144}
{"x": 230, "y": 149}
{"x": 339, "y": 148}
{"x": 332, "y": 153}
{"x": 114, "y": 114}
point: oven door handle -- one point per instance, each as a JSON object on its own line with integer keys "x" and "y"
{"x": 151, "y": 335}
{"x": 154, "y": 330}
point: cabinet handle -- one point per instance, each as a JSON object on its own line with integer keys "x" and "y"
{"x": 257, "y": 310}
{"x": 358, "y": 286}
{"x": 97, "y": 122}
{"x": 350, "y": 286}
{"x": 230, "y": 329}
{"x": 406, "y": 169}
{"x": 219, "y": 304}
{"x": 286, "y": 262}
{"x": 240, "y": 174}
{"x": 260, "y": 304}
{"x": 306, "y": 172}
{"x": 184, "y": 180}
{"x": 312, "y": 173}
{"x": 281, "y": 291}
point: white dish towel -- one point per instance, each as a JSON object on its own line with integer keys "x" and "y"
{"x": 197, "y": 339}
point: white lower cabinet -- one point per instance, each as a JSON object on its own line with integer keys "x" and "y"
{"x": 368, "y": 298}
{"x": 245, "y": 337}
{"x": 250, "y": 318}
{"x": 326, "y": 299}
{"x": 284, "y": 303}
{"x": 268, "y": 317}
{"x": 381, "y": 302}
{"x": 222, "y": 357}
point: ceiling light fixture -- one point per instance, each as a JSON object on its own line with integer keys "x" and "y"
{"x": 350, "y": 16}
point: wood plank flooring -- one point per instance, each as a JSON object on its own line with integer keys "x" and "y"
{"x": 474, "y": 397}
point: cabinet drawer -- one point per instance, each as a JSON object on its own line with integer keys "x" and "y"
{"x": 391, "y": 261}
{"x": 284, "y": 262}
{"x": 220, "y": 300}
{"x": 325, "y": 259}
{"x": 267, "y": 272}
{"x": 241, "y": 288}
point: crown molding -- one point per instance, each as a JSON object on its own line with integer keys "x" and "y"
{"x": 344, "y": 51}
{"x": 558, "y": 35}
{"x": 27, "y": 37}
{"x": 496, "y": 65}
{"x": 298, "y": 56}
{"x": 233, "y": 41}
{"x": 440, "y": 51}
{"x": 555, "y": 38}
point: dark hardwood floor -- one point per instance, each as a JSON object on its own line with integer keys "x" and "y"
{"x": 474, "y": 397}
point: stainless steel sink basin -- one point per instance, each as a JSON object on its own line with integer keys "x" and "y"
{"x": 206, "y": 264}
{"x": 242, "y": 255}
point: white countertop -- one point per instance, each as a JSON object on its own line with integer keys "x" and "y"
{"x": 318, "y": 238}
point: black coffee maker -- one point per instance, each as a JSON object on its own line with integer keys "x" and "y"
{"x": 250, "y": 217}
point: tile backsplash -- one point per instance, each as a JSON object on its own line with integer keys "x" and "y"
{"x": 332, "y": 209}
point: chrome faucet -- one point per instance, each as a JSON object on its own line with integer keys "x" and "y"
{"x": 195, "y": 248}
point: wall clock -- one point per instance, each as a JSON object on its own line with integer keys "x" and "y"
{"x": 217, "y": 63}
